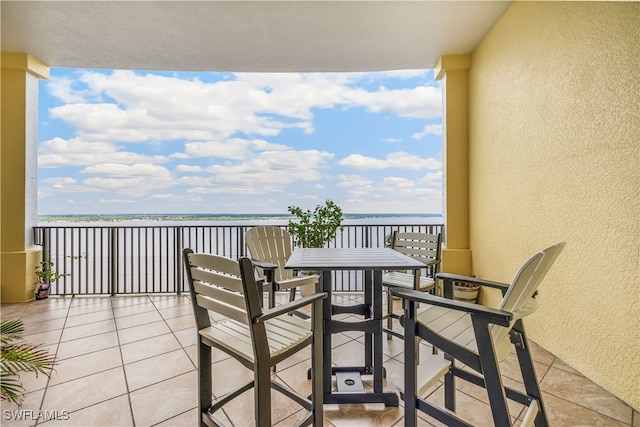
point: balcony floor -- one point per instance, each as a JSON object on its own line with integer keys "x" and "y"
{"x": 131, "y": 361}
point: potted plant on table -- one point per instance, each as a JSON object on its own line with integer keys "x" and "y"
{"x": 46, "y": 276}
{"x": 314, "y": 229}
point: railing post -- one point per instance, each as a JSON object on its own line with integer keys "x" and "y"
{"x": 367, "y": 237}
{"x": 178, "y": 256}
{"x": 113, "y": 260}
{"x": 240, "y": 240}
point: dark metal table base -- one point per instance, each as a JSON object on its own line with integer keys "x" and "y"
{"x": 351, "y": 389}
{"x": 371, "y": 261}
{"x": 348, "y": 378}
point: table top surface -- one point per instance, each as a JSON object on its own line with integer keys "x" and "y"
{"x": 350, "y": 259}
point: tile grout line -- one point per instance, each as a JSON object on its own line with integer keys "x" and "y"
{"x": 46, "y": 387}
{"x": 124, "y": 371}
{"x": 184, "y": 350}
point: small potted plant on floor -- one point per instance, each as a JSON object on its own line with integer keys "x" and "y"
{"x": 46, "y": 276}
{"x": 314, "y": 229}
{"x": 466, "y": 292}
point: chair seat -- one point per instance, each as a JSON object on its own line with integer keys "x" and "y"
{"x": 283, "y": 332}
{"x": 453, "y": 325}
{"x": 456, "y": 327}
{"x": 405, "y": 280}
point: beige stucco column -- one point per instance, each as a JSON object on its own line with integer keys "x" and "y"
{"x": 453, "y": 70}
{"x": 18, "y": 174}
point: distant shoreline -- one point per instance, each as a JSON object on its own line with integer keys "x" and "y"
{"x": 89, "y": 218}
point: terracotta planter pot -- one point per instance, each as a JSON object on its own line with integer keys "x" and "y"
{"x": 465, "y": 293}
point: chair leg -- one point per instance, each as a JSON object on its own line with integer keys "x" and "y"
{"x": 272, "y": 296}
{"x": 262, "y": 394}
{"x": 491, "y": 373}
{"x": 317, "y": 392}
{"x": 205, "y": 390}
{"x": 410, "y": 366}
{"x": 528, "y": 372}
{"x": 449, "y": 387}
{"x": 389, "y": 312}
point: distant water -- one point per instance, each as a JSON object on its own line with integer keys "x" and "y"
{"x": 230, "y": 219}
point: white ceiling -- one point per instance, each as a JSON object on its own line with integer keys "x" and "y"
{"x": 246, "y": 35}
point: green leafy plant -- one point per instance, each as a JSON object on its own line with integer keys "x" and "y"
{"x": 46, "y": 272}
{"x": 314, "y": 229}
{"x": 18, "y": 356}
{"x": 46, "y": 275}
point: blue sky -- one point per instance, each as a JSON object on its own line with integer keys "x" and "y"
{"x": 117, "y": 142}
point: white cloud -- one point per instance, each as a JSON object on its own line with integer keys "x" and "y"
{"x": 391, "y": 194}
{"x": 61, "y": 88}
{"x": 392, "y": 140}
{"x": 148, "y": 107}
{"x": 234, "y": 148}
{"x": 356, "y": 185}
{"x": 189, "y": 168}
{"x": 428, "y": 130}
{"x": 432, "y": 179}
{"x": 271, "y": 170}
{"x": 223, "y": 138}
{"x": 61, "y": 181}
{"x": 397, "y": 160}
{"x": 422, "y": 102}
{"x": 131, "y": 180}
{"x": 59, "y": 152}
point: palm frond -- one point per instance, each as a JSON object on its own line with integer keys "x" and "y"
{"x": 26, "y": 357}
{"x": 10, "y": 330}
{"x": 11, "y": 389}
{"x": 16, "y": 357}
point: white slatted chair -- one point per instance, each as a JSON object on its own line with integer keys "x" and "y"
{"x": 422, "y": 246}
{"x": 479, "y": 337}
{"x": 270, "y": 248}
{"x": 257, "y": 338}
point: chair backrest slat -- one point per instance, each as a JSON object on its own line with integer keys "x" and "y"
{"x": 225, "y": 280}
{"x": 519, "y": 297}
{"x": 424, "y": 247}
{"x": 216, "y": 284}
{"x": 271, "y": 244}
{"x": 528, "y": 278}
{"x": 226, "y": 310}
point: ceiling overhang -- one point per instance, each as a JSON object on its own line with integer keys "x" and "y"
{"x": 252, "y": 36}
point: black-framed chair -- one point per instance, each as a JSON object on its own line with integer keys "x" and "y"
{"x": 255, "y": 337}
{"x": 425, "y": 247}
{"x": 477, "y": 336}
{"x": 270, "y": 248}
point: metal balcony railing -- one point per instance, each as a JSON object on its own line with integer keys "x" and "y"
{"x": 148, "y": 259}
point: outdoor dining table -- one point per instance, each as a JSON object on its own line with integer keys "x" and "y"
{"x": 372, "y": 261}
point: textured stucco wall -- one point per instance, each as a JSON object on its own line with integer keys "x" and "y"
{"x": 554, "y": 155}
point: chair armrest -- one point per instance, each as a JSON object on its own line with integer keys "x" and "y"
{"x": 498, "y": 317}
{"x": 430, "y": 262}
{"x": 448, "y": 277}
{"x": 289, "y": 307}
{"x": 264, "y": 265}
